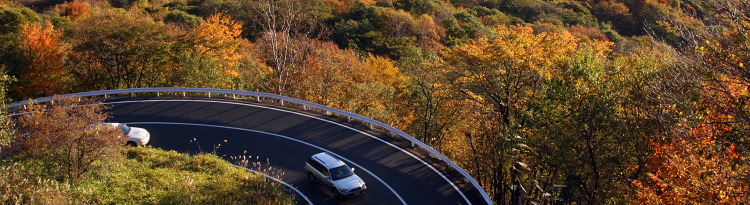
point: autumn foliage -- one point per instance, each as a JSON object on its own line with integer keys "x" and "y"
{"x": 578, "y": 102}
{"x": 76, "y": 9}
{"x": 694, "y": 168}
{"x": 67, "y": 134}
{"x": 45, "y": 73}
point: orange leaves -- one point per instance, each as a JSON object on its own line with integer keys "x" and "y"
{"x": 696, "y": 164}
{"x": 219, "y": 39}
{"x": 696, "y": 171}
{"x": 76, "y": 9}
{"x": 700, "y": 162}
{"x": 45, "y": 73}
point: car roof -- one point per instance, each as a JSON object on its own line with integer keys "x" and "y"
{"x": 328, "y": 160}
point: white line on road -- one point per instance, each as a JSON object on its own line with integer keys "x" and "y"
{"x": 279, "y": 181}
{"x": 313, "y": 117}
{"x": 276, "y": 135}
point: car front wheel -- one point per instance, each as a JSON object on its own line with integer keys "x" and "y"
{"x": 335, "y": 193}
{"x": 311, "y": 177}
{"x": 131, "y": 143}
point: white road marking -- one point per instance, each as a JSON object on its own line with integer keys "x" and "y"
{"x": 278, "y": 180}
{"x": 276, "y": 135}
{"x": 313, "y": 117}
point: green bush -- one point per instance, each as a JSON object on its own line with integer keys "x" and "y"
{"x": 182, "y": 17}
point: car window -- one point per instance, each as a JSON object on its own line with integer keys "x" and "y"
{"x": 341, "y": 172}
{"x": 318, "y": 166}
{"x": 125, "y": 128}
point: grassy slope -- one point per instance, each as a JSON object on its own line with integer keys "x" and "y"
{"x": 144, "y": 175}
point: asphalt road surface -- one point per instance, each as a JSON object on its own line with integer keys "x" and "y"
{"x": 283, "y": 140}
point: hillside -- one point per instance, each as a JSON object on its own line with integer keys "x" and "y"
{"x": 584, "y": 101}
{"x": 55, "y": 156}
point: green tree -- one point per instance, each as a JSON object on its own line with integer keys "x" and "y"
{"x": 116, "y": 48}
{"x": 6, "y": 126}
{"x": 13, "y": 16}
{"x": 582, "y": 136}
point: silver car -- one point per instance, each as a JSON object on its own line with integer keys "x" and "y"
{"x": 335, "y": 174}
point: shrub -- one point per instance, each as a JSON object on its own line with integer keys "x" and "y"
{"x": 18, "y": 185}
{"x": 63, "y": 135}
{"x": 154, "y": 176}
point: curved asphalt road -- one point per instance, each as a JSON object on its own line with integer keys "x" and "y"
{"x": 284, "y": 140}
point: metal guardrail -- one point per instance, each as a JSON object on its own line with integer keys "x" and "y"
{"x": 282, "y": 99}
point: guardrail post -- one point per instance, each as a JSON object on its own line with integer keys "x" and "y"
{"x": 132, "y": 95}
{"x": 158, "y": 94}
{"x": 328, "y": 111}
{"x": 234, "y": 96}
{"x": 282, "y": 102}
{"x": 304, "y": 107}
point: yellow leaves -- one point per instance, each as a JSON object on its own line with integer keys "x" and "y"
{"x": 232, "y": 72}
{"x": 514, "y": 57}
{"x": 520, "y": 46}
{"x": 219, "y": 39}
{"x": 218, "y": 35}
{"x": 224, "y": 25}
{"x": 599, "y": 48}
{"x": 386, "y": 71}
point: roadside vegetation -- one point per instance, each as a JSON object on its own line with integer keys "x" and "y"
{"x": 579, "y": 101}
{"x": 57, "y": 157}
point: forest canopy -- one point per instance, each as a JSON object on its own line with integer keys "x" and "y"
{"x": 579, "y": 101}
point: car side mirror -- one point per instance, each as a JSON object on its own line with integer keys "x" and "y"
{"x": 352, "y": 169}
{"x": 328, "y": 177}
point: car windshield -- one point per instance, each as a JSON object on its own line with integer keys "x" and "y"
{"x": 125, "y": 128}
{"x": 341, "y": 172}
